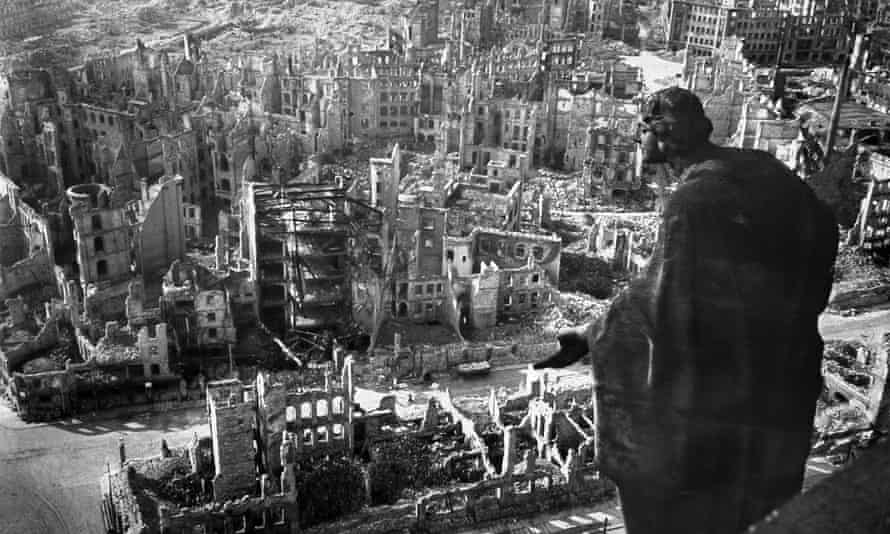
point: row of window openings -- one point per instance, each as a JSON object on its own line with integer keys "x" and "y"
{"x": 508, "y": 300}
{"x": 404, "y": 84}
{"x": 392, "y": 124}
{"x": 519, "y": 251}
{"x": 321, "y": 409}
{"x": 320, "y": 434}
{"x": 516, "y": 130}
{"x": 387, "y": 97}
{"x": 534, "y": 279}
{"x": 416, "y": 308}
{"x": 394, "y": 110}
{"x": 431, "y": 289}
{"x": 257, "y": 524}
{"x": 93, "y": 119}
{"x": 287, "y": 98}
{"x": 102, "y": 119}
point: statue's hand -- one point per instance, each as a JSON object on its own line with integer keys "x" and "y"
{"x": 572, "y": 347}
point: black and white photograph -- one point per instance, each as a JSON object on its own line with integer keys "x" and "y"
{"x": 444, "y": 266}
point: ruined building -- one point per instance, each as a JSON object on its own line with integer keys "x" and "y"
{"x": 32, "y": 151}
{"x": 770, "y": 33}
{"x": 458, "y": 247}
{"x": 104, "y": 248}
{"x": 123, "y": 162}
{"x": 197, "y": 307}
{"x": 142, "y": 236}
{"x": 258, "y": 435}
{"x": 297, "y": 239}
{"x": 266, "y": 436}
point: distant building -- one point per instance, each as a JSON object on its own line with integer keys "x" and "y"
{"x": 297, "y": 243}
{"x": 25, "y": 18}
{"x": 794, "y": 33}
{"x": 196, "y": 306}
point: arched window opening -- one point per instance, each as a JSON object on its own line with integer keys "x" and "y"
{"x": 321, "y": 408}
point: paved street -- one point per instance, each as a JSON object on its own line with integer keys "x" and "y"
{"x": 49, "y": 473}
{"x": 867, "y": 327}
{"x": 599, "y": 519}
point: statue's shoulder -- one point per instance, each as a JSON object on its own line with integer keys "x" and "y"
{"x": 731, "y": 161}
{"x": 735, "y": 164}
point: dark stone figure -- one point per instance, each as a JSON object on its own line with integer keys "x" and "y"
{"x": 707, "y": 369}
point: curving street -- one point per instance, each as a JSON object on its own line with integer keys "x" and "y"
{"x": 49, "y": 473}
{"x": 867, "y": 327}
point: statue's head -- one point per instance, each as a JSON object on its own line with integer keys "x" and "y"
{"x": 672, "y": 123}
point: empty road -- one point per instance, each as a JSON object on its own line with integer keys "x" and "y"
{"x": 49, "y": 473}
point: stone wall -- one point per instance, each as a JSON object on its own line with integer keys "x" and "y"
{"x": 79, "y": 389}
{"x": 123, "y": 505}
{"x": 397, "y": 518}
{"x": 161, "y": 239}
{"x": 449, "y": 313}
{"x": 442, "y": 358}
{"x": 509, "y": 498}
{"x": 859, "y": 298}
{"x": 277, "y": 512}
{"x": 482, "y": 503}
{"x": 468, "y": 430}
{"x": 317, "y": 420}
{"x": 231, "y": 429}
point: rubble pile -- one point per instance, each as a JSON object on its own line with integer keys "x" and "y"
{"x": 55, "y": 358}
{"x": 528, "y": 328}
{"x": 575, "y": 309}
{"x": 846, "y": 359}
{"x": 168, "y": 479}
{"x": 854, "y": 265}
{"x": 404, "y": 464}
{"x": 859, "y": 281}
{"x": 568, "y": 384}
{"x": 836, "y": 418}
{"x": 331, "y": 488}
{"x": 335, "y": 24}
{"x": 419, "y": 174}
{"x": 562, "y": 188}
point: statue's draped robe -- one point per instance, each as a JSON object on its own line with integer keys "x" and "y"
{"x": 707, "y": 369}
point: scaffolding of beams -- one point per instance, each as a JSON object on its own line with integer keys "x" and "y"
{"x": 310, "y": 238}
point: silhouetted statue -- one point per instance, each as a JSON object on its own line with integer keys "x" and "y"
{"x": 707, "y": 369}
